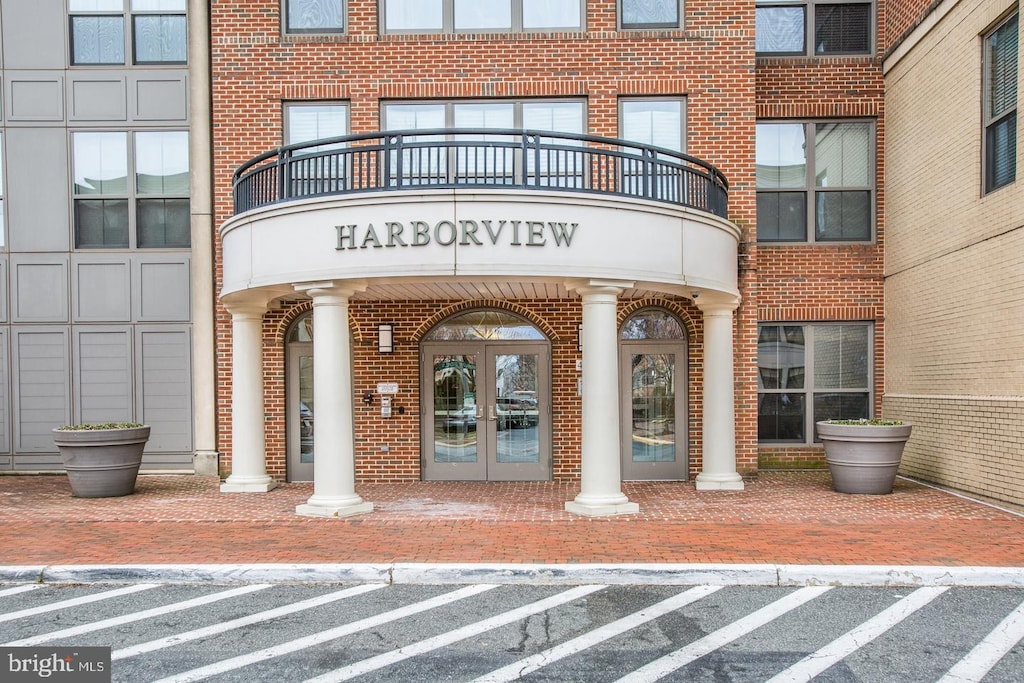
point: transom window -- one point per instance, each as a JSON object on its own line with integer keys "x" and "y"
{"x": 645, "y": 14}
{"x": 99, "y": 36}
{"x": 314, "y": 16}
{"x": 131, "y": 189}
{"x": 811, "y": 372}
{"x": 1000, "y": 105}
{"x": 816, "y": 27}
{"x": 652, "y": 324}
{"x": 451, "y": 16}
{"x": 484, "y": 325}
{"x": 815, "y": 181}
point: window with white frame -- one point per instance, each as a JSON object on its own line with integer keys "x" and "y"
{"x": 646, "y": 14}
{"x": 810, "y": 372}
{"x": 815, "y": 181}
{"x": 660, "y": 122}
{"x": 314, "y": 16}
{"x": 105, "y": 31}
{"x": 1000, "y": 105}
{"x": 317, "y": 169}
{"x": 131, "y": 189}
{"x": 508, "y": 16}
{"x": 497, "y": 164}
{"x": 814, "y": 27}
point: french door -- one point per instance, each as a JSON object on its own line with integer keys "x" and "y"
{"x": 299, "y": 427}
{"x": 486, "y": 411}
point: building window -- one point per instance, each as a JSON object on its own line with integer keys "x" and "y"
{"x": 785, "y": 27}
{"x": 660, "y": 122}
{"x": 641, "y": 14}
{"x": 506, "y": 16}
{"x": 131, "y": 189}
{"x": 3, "y": 223}
{"x": 811, "y": 372}
{"x": 818, "y": 173}
{"x": 498, "y": 165}
{"x": 314, "y": 16}
{"x": 309, "y": 121}
{"x": 98, "y": 35}
{"x": 1000, "y": 105}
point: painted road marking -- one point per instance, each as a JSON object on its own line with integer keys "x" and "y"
{"x": 663, "y": 666}
{"x": 137, "y": 616}
{"x": 325, "y": 636}
{"x": 444, "y": 639}
{"x": 518, "y": 669}
{"x": 20, "y": 589}
{"x": 84, "y": 600}
{"x": 240, "y": 622}
{"x": 990, "y": 650}
{"x": 845, "y": 645}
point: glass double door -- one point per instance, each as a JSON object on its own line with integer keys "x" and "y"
{"x": 300, "y": 407}
{"x": 486, "y": 412}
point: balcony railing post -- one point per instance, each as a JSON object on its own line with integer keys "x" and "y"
{"x": 283, "y": 175}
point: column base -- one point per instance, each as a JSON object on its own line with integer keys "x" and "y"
{"x": 719, "y": 482}
{"x": 315, "y": 510}
{"x": 601, "y": 509}
{"x": 235, "y": 484}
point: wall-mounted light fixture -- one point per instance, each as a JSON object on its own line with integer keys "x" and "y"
{"x": 385, "y": 338}
{"x": 579, "y": 337}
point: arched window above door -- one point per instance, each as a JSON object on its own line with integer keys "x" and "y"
{"x": 485, "y": 325}
{"x": 302, "y": 329}
{"x": 652, "y": 324}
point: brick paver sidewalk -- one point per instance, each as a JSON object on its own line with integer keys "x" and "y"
{"x": 790, "y": 518}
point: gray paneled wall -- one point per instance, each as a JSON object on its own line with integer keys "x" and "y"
{"x": 85, "y": 335}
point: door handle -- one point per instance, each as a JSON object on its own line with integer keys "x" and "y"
{"x": 479, "y": 412}
{"x": 490, "y": 413}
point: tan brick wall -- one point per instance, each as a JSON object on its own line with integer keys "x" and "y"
{"x": 954, "y": 266}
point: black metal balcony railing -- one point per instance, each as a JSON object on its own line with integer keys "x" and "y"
{"x": 402, "y": 160}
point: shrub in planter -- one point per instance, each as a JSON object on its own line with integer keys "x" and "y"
{"x": 863, "y": 456}
{"x": 101, "y": 460}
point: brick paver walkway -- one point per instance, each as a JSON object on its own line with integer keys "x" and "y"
{"x": 791, "y": 518}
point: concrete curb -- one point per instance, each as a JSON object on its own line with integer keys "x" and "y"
{"x": 553, "y": 574}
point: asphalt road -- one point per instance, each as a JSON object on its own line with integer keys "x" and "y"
{"x": 293, "y": 632}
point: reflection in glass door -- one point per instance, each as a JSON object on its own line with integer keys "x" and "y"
{"x": 488, "y": 417}
{"x": 300, "y": 412}
{"x": 654, "y": 427}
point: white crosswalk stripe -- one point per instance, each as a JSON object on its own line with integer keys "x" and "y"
{"x": 389, "y": 658}
{"x": 74, "y": 602}
{"x": 136, "y": 616}
{"x": 845, "y": 645}
{"x": 660, "y": 668}
{"x": 522, "y": 667}
{"x": 989, "y": 651}
{"x": 241, "y": 622}
{"x": 20, "y": 589}
{"x": 324, "y": 636}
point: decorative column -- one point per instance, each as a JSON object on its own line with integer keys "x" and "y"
{"x": 248, "y": 437}
{"x": 719, "y": 471}
{"x": 334, "y": 461}
{"x": 601, "y": 467}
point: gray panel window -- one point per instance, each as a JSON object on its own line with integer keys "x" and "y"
{"x": 314, "y": 16}
{"x": 3, "y": 192}
{"x": 42, "y": 391}
{"x": 822, "y": 27}
{"x": 164, "y": 376}
{"x": 811, "y": 372}
{"x": 99, "y": 36}
{"x": 150, "y": 212}
{"x": 815, "y": 181}
{"x": 104, "y": 373}
{"x": 1000, "y": 104}
{"x": 641, "y": 14}
{"x": 508, "y": 16}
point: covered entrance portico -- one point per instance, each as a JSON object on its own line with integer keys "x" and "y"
{"x": 580, "y": 253}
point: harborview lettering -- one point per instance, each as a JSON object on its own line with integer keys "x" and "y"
{"x": 463, "y": 232}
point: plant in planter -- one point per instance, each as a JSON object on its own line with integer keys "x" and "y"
{"x": 102, "y": 460}
{"x": 863, "y": 455}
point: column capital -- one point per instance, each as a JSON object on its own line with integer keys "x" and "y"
{"x": 595, "y": 286}
{"x": 717, "y": 305}
{"x": 328, "y": 289}
{"x": 246, "y": 304}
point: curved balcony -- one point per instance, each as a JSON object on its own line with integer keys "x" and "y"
{"x": 479, "y": 158}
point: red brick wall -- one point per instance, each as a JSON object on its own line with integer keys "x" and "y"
{"x": 711, "y": 61}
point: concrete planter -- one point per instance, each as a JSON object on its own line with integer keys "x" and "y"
{"x": 101, "y": 463}
{"x": 863, "y": 458}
